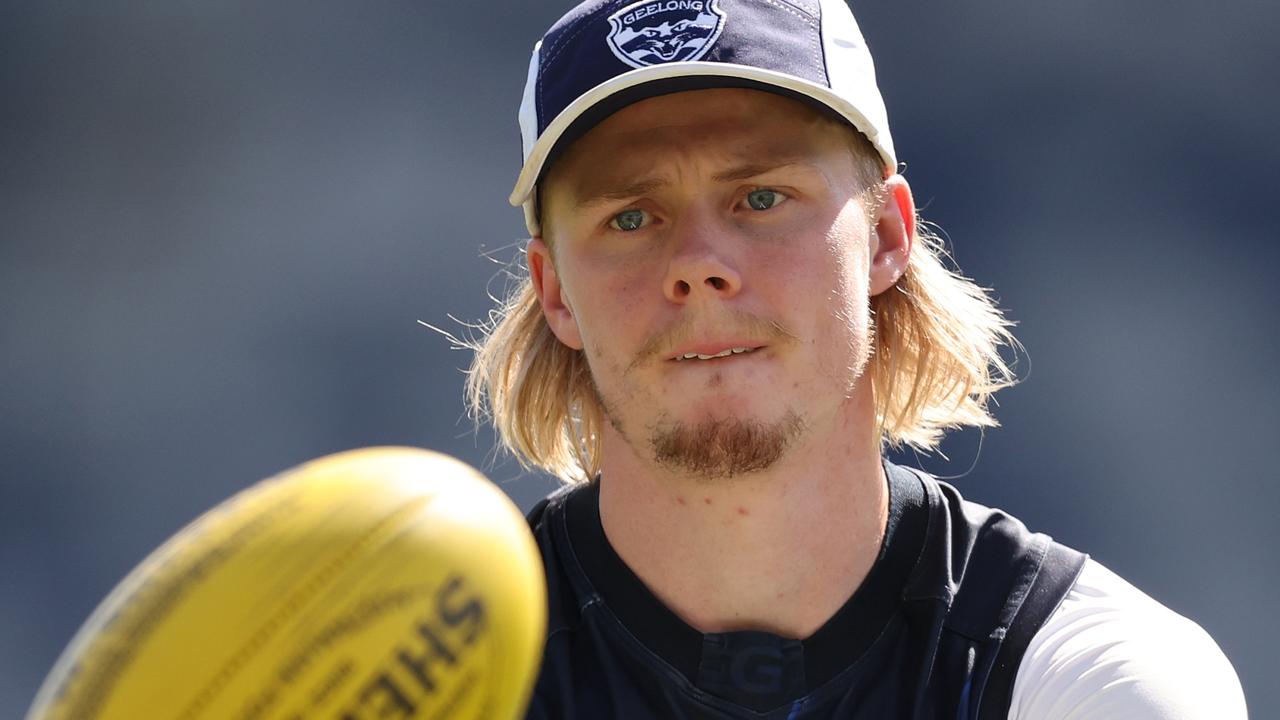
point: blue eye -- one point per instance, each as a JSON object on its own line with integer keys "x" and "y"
{"x": 628, "y": 220}
{"x": 764, "y": 199}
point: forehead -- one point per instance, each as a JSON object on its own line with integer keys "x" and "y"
{"x": 731, "y": 125}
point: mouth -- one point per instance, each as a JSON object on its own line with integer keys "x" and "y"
{"x": 705, "y": 354}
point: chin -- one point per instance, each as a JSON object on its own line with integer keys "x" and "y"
{"x": 723, "y": 446}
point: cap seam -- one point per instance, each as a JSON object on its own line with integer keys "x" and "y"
{"x": 799, "y": 9}
{"x": 788, "y": 7}
{"x": 822, "y": 44}
{"x": 815, "y": 44}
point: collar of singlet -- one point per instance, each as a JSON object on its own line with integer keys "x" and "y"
{"x": 834, "y": 647}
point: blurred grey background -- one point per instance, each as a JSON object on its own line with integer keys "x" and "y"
{"x": 221, "y": 222}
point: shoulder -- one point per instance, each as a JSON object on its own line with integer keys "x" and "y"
{"x": 548, "y": 520}
{"x": 550, "y": 506}
{"x": 1110, "y": 650}
{"x": 553, "y": 521}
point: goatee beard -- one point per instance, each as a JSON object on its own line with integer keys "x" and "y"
{"x": 722, "y": 448}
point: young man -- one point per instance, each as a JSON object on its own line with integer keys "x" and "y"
{"x": 730, "y": 310}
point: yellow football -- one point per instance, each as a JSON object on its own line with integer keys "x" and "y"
{"x": 375, "y": 583}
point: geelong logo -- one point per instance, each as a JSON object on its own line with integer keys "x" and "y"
{"x": 651, "y": 32}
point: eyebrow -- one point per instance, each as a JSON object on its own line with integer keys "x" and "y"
{"x": 649, "y": 185}
{"x": 608, "y": 194}
{"x": 743, "y": 172}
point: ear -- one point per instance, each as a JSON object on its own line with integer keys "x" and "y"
{"x": 546, "y": 285}
{"x": 895, "y": 233}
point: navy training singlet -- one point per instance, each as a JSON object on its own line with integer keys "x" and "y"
{"x": 936, "y": 630}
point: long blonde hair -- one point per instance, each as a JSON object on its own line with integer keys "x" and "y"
{"x": 936, "y": 360}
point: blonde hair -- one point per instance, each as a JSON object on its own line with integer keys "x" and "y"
{"x": 935, "y": 364}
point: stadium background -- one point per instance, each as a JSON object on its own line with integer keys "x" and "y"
{"x": 220, "y": 222}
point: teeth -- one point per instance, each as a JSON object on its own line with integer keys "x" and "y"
{"x": 726, "y": 353}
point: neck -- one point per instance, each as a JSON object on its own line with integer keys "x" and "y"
{"x": 780, "y": 550}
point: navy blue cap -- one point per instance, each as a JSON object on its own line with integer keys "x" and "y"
{"x": 602, "y": 56}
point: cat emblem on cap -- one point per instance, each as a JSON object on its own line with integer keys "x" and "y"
{"x": 651, "y": 32}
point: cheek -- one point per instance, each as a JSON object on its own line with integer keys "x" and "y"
{"x": 608, "y": 303}
{"x": 845, "y": 334}
{"x": 848, "y": 246}
{"x": 833, "y": 276}
{"x": 609, "y": 312}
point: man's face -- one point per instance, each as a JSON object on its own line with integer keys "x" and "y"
{"x": 711, "y": 256}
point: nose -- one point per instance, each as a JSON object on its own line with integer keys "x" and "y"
{"x": 698, "y": 269}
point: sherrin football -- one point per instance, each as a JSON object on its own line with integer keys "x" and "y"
{"x": 376, "y": 583}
